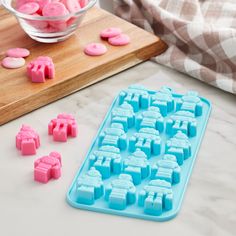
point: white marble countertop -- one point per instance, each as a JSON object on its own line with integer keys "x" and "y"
{"x": 28, "y": 208}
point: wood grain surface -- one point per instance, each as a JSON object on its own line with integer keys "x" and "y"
{"x": 74, "y": 70}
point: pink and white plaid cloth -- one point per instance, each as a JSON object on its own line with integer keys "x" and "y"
{"x": 201, "y": 35}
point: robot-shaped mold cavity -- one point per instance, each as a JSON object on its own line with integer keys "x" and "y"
{"x": 106, "y": 160}
{"x": 124, "y": 115}
{"x": 137, "y": 166}
{"x": 121, "y": 192}
{"x": 166, "y": 169}
{"x": 190, "y": 102}
{"x": 156, "y": 197}
{"x": 63, "y": 126}
{"x": 114, "y": 136}
{"x": 179, "y": 146}
{"x": 148, "y": 140}
{"x": 182, "y": 121}
{"x": 137, "y": 96}
{"x": 89, "y": 187}
{"x": 164, "y": 100}
{"x": 151, "y": 118}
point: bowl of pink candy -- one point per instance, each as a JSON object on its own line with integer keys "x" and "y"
{"x": 49, "y": 21}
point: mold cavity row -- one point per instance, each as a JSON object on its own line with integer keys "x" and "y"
{"x": 156, "y": 196}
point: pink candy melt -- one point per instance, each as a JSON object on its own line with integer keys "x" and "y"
{"x": 47, "y": 167}
{"x": 54, "y": 9}
{"x": 27, "y": 140}
{"x": 29, "y": 8}
{"x": 40, "y": 69}
{"x": 110, "y": 32}
{"x": 17, "y": 52}
{"x": 71, "y": 5}
{"x": 63, "y": 126}
{"x": 95, "y": 49}
{"x": 12, "y": 62}
{"x": 119, "y": 40}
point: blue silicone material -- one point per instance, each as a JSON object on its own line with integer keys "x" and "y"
{"x": 141, "y": 160}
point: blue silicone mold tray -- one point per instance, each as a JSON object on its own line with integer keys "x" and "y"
{"x": 141, "y": 159}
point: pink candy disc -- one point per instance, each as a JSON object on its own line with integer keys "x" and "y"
{"x": 95, "y": 49}
{"x": 12, "y": 62}
{"x": 119, "y": 40}
{"x": 71, "y": 5}
{"x": 42, "y": 4}
{"x": 17, "y": 52}
{"x": 20, "y": 3}
{"x": 54, "y": 9}
{"x": 29, "y": 8}
{"x": 110, "y": 32}
{"x": 38, "y": 24}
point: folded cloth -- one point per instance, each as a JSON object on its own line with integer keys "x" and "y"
{"x": 201, "y": 35}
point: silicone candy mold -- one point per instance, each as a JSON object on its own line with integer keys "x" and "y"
{"x": 47, "y": 167}
{"x": 142, "y": 157}
{"x": 107, "y": 159}
{"x": 137, "y": 166}
{"x": 27, "y": 140}
{"x": 121, "y": 192}
{"x": 156, "y": 197}
{"x": 89, "y": 187}
{"x": 63, "y": 126}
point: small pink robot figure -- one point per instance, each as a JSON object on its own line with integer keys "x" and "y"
{"x": 40, "y": 69}
{"x": 27, "y": 140}
{"x": 63, "y": 126}
{"x": 47, "y": 167}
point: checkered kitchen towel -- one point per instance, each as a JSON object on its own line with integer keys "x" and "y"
{"x": 201, "y": 35}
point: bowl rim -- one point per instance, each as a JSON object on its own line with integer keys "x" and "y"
{"x": 7, "y": 4}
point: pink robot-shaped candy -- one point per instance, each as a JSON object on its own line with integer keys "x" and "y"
{"x": 47, "y": 167}
{"x": 40, "y": 69}
{"x": 63, "y": 126}
{"x": 27, "y": 140}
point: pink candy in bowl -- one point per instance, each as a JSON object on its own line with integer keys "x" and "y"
{"x": 49, "y": 21}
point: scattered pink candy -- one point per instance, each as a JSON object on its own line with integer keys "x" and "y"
{"x": 18, "y": 52}
{"x": 27, "y": 140}
{"x": 95, "y": 49}
{"x": 63, "y": 126}
{"x": 12, "y": 62}
{"x": 119, "y": 40}
{"x": 40, "y": 69}
{"x": 47, "y": 167}
{"x": 29, "y": 8}
{"x": 110, "y": 32}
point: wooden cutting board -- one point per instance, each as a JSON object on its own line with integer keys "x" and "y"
{"x": 74, "y": 70}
